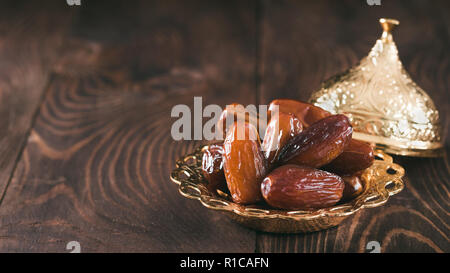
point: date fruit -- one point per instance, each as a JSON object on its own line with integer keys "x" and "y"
{"x": 305, "y": 112}
{"x": 318, "y": 144}
{"x": 357, "y": 156}
{"x": 279, "y": 131}
{"x": 353, "y": 186}
{"x": 233, "y": 113}
{"x": 244, "y": 164}
{"x": 212, "y": 167}
{"x": 295, "y": 187}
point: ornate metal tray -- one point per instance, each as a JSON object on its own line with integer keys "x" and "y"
{"x": 381, "y": 180}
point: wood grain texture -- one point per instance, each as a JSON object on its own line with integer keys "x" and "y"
{"x": 301, "y": 49}
{"x": 28, "y": 46}
{"x": 97, "y": 164}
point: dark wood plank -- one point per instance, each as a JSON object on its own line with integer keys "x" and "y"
{"x": 302, "y": 44}
{"x": 28, "y": 46}
{"x": 97, "y": 164}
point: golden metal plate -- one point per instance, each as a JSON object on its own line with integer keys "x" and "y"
{"x": 382, "y": 180}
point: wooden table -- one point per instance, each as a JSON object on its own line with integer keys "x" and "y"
{"x": 85, "y": 99}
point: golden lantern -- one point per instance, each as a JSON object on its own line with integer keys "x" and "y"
{"x": 384, "y": 104}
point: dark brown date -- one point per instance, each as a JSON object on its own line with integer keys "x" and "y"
{"x": 212, "y": 167}
{"x": 279, "y": 131}
{"x": 305, "y": 112}
{"x": 295, "y": 187}
{"x": 244, "y": 164}
{"x": 318, "y": 144}
{"x": 353, "y": 187}
{"x": 358, "y": 155}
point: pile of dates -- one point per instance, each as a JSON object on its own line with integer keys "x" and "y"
{"x": 307, "y": 159}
